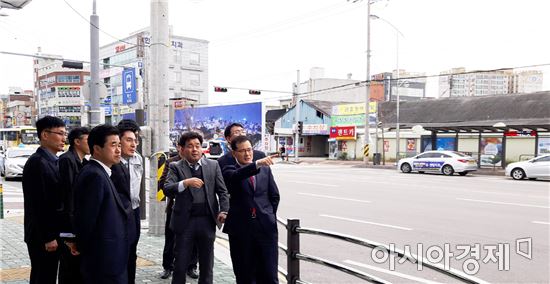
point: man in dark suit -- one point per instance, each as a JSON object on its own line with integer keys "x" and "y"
{"x": 195, "y": 182}
{"x": 70, "y": 164}
{"x": 127, "y": 177}
{"x": 231, "y": 131}
{"x": 43, "y": 201}
{"x": 101, "y": 219}
{"x": 252, "y": 218}
{"x": 169, "y": 236}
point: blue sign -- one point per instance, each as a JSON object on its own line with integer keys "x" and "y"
{"x": 108, "y": 109}
{"x": 129, "y": 86}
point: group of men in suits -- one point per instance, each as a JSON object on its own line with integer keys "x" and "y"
{"x": 238, "y": 190}
{"x": 82, "y": 215}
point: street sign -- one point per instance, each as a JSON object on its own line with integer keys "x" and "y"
{"x": 129, "y": 86}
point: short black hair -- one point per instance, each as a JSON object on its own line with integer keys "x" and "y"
{"x": 127, "y": 125}
{"x": 227, "y": 131}
{"x": 238, "y": 140}
{"x": 77, "y": 133}
{"x": 189, "y": 136}
{"x": 48, "y": 122}
{"x": 98, "y": 135}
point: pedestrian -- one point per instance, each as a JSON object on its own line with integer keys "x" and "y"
{"x": 169, "y": 236}
{"x": 101, "y": 218}
{"x": 252, "y": 218}
{"x": 127, "y": 177}
{"x": 201, "y": 203}
{"x": 282, "y": 152}
{"x": 70, "y": 164}
{"x": 43, "y": 201}
{"x": 231, "y": 131}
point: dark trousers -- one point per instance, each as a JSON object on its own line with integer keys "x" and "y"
{"x": 200, "y": 231}
{"x": 43, "y": 264}
{"x": 134, "y": 230}
{"x": 69, "y": 266}
{"x": 169, "y": 243}
{"x": 254, "y": 255}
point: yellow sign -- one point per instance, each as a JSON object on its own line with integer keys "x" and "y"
{"x": 160, "y": 193}
{"x": 366, "y": 150}
{"x": 353, "y": 109}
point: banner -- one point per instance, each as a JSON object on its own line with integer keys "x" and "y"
{"x": 353, "y": 109}
{"x": 543, "y": 146}
{"x": 315, "y": 129}
{"x": 491, "y": 151}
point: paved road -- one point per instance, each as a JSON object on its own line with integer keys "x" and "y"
{"x": 410, "y": 209}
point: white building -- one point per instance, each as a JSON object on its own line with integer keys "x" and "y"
{"x": 527, "y": 82}
{"x": 457, "y": 82}
{"x": 188, "y": 76}
{"x": 59, "y": 91}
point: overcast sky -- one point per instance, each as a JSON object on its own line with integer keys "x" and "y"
{"x": 260, "y": 44}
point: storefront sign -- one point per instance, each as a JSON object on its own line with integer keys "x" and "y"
{"x": 343, "y": 133}
{"x": 315, "y": 129}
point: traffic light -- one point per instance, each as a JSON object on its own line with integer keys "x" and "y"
{"x": 220, "y": 89}
{"x": 300, "y": 127}
{"x": 72, "y": 64}
{"x": 254, "y": 92}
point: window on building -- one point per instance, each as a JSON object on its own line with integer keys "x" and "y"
{"x": 177, "y": 77}
{"x": 194, "y": 58}
{"x": 195, "y": 79}
{"x": 68, "y": 78}
{"x": 319, "y": 114}
{"x": 177, "y": 56}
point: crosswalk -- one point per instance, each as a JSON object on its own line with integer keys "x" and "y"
{"x": 12, "y": 196}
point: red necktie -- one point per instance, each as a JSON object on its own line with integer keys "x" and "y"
{"x": 251, "y": 179}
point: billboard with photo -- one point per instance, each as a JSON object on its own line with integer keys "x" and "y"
{"x": 210, "y": 121}
{"x": 491, "y": 151}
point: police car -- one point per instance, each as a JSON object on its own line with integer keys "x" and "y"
{"x": 445, "y": 162}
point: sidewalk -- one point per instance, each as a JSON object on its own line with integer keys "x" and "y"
{"x": 388, "y": 166}
{"x": 15, "y": 267}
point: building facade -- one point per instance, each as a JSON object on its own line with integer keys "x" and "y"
{"x": 457, "y": 82}
{"x": 188, "y": 72}
{"x": 59, "y": 91}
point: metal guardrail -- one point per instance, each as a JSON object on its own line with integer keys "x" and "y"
{"x": 294, "y": 255}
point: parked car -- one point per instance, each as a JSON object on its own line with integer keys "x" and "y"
{"x": 445, "y": 162}
{"x": 13, "y": 160}
{"x": 538, "y": 167}
{"x": 214, "y": 149}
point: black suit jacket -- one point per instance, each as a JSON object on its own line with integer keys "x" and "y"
{"x": 69, "y": 167}
{"x": 265, "y": 198}
{"x": 101, "y": 224}
{"x": 42, "y": 197}
{"x": 213, "y": 184}
{"x": 121, "y": 179}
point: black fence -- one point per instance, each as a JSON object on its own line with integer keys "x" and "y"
{"x": 294, "y": 256}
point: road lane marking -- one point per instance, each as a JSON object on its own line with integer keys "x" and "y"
{"x": 512, "y": 194}
{"x": 504, "y": 203}
{"x": 413, "y": 278}
{"x": 11, "y": 187}
{"x": 334, "y": 197}
{"x": 366, "y": 222}
{"x": 313, "y": 183}
{"x": 540, "y": 222}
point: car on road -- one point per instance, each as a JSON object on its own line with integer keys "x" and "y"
{"x": 13, "y": 160}
{"x": 214, "y": 149}
{"x": 445, "y": 162}
{"x": 538, "y": 167}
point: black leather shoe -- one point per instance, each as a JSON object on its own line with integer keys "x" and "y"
{"x": 193, "y": 273}
{"x": 166, "y": 274}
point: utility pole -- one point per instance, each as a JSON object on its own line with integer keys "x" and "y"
{"x": 94, "y": 116}
{"x": 158, "y": 105}
{"x": 297, "y": 117}
{"x": 367, "y": 86}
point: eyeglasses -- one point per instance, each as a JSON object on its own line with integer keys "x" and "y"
{"x": 62, "y": 133}
{"x": 241, "y": 151}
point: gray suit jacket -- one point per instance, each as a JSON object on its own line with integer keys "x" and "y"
{"x": 216, "y": 192}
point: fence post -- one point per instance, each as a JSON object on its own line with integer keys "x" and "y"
{"x": 293, "y": 247}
